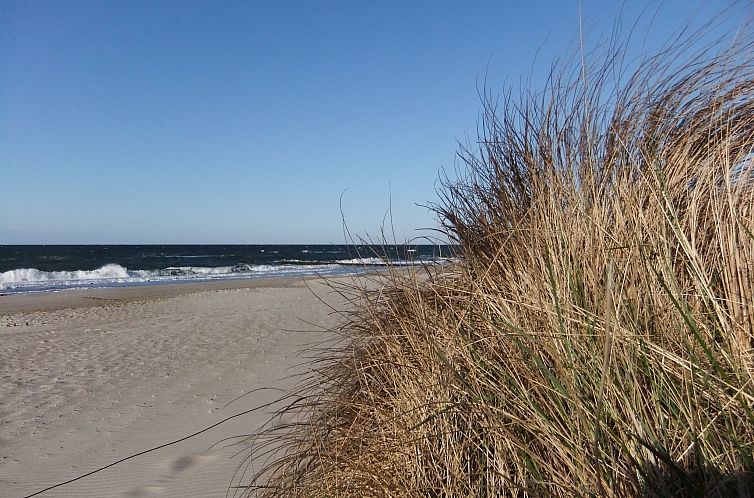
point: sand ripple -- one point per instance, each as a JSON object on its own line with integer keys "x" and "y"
{"x": 84, "y": 386}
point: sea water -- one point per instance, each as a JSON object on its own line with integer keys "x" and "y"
{"x": 45, "y": 268}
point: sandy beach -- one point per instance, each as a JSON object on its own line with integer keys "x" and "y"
{"x": 93, "y": 376}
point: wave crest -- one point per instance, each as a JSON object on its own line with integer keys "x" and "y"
{"x": 25, "y": 275}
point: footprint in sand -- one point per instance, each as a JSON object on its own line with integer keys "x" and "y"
{"x": 177, "y": 466}
{"x": 184, "y": 462}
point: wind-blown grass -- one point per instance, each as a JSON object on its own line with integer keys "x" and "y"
{"x": 594, "y": 336}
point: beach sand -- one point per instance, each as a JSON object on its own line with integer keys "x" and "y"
{"x": 91, "y": 376}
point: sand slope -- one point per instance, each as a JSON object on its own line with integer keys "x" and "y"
{"x": 86, "y": 385}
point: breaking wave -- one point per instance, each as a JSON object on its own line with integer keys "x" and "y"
{"x": 23, "y": 280}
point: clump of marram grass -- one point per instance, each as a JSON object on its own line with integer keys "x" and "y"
{"x": 594, "y": 336}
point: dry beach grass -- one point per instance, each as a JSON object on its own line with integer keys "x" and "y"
{"x": 594, "y": 337}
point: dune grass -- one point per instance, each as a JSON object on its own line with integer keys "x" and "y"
{"x": 594, "y": 335}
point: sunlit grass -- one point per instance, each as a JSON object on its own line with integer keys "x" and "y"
{"x": 594, "y": 336}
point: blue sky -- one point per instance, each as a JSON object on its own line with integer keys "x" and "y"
{"x": 244, "y": 122}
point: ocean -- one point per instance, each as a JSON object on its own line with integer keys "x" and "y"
{"x": 46, "y": 268}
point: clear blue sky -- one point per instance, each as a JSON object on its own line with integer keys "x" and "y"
{"x": 242, "y": 122}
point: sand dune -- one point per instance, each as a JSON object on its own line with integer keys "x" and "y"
{"x": 89, "y": 377}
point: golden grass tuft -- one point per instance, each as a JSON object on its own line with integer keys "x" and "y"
{"x": 594, "y": 335}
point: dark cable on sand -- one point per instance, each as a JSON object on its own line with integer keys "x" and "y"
{"x": 155, "y": 448}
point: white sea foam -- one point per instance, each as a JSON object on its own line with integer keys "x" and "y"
{"x": 23, "y": 280}
{"x": 33, "y": 280}
{"x": 363, "y": 261}
{"x": 25, "y": 275}
{"x": 382, "y": 262}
